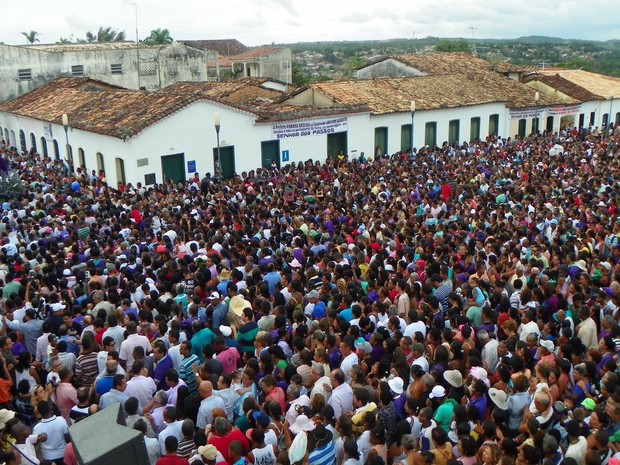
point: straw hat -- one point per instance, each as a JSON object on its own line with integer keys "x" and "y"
{"x": 499, "y": 398}
{"x": 454, "y": 377}
{"x": 237, "y": 304}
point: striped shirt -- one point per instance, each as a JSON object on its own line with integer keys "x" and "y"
{"x": 324, "y": 456}
{"x": 186, "y": 374}
{"x": 442, "y": 292}
{"x": 87, "y": 368}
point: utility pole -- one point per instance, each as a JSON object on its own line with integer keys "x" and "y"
{"x": 137, "y": 44}
{"x": 473, "y": 40}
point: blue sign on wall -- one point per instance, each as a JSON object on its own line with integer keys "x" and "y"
{"x": 191, "y": 166}
{"x": 285, "y": 155}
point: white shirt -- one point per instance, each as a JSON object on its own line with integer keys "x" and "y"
{"x": 529, "y": 328}
{"x": 319, "y": 389}
{"x": 341, "y": 400}
{"x": 152, "y": 449}
{"x": 175, "y": 355}
{"x": 205, "y": 411}
{"x": 291, "y": 414}
{"x": 171, "y": 429}
{"x": 346, "y": 365}
{"x": 421, "y": 361}
{"x": 142, "y": 388}
{"x": 55, "y": 428}
{"x": 412, "y": 328}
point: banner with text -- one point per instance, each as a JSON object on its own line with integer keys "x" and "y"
{"x": 560, "y": 110}
{"x": 308, "y": 128}
{"x": 564, "y": 110}
{"x": 527, "y": 114}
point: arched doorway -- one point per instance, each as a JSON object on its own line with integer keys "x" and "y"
{"x": 22, "y": 141}
{"x": 81, "y": 158}
{"x": 120, "y": 171}
{"x": 100, "y": 163}
{"x": 44, "y": 146}
{"x": 33, "y": 141}
{"x": 6, "y": 136}
{"x": 12, "y": 141}
{"x": 56, "y": 150}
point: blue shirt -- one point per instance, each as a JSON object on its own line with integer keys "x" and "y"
{"x": 220, "y": 315}
{"x": 104, "y": 385}
{"x": 271, "y": 279}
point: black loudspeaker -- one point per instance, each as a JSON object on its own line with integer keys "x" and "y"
{"x": 103, "y": 439}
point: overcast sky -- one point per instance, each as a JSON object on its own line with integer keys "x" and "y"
{"x": 258, "y": 22}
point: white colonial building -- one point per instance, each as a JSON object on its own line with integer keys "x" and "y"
{"x": 148, "y": 137}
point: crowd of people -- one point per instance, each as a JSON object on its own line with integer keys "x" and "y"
{"x": 458, "y": 305}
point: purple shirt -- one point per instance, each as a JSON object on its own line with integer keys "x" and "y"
{"x": 399, "y": 406}
{"x": 160, "y": 372}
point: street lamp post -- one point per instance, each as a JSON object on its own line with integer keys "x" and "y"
{"x": 412, "y": 116}
{"x": 218, "y": 163}
{"x": 537, "y": 120}
{"x": 65, "y": 125}
{"x": 611, "y": 102}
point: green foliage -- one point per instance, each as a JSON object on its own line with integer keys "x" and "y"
{"x": 159, "y": 37}
{"x": 355, "y": 63}
{"x": 298, "y": 77}
{"x": 105, "y": 34}
{"x": 11, "y": 185}
{"x": 31, "y": 37}
{"x": 63, "y": 41}
{"x": 460, "y": 45}
{"x": 578, "y": 63}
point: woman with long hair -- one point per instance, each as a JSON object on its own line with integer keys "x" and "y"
{"x": 25, "y": 370}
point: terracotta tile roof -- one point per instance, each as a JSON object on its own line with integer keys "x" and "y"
{"x": 247, "y": 91}
{"x": 506, "y": 67}
{"x": 566, "y": 87}
{"x": 97, "y": 107}
{"x": 86, "y": 47}
{"x": 283, "y": 112}
{"x": 435, "y": 63}
{"x": 394, "y": 95}
{"x": 440, "y": 63}
{"x": 254, "y": 53}
{"x": 598, "y": 84}
{"x": 226, "y": 47}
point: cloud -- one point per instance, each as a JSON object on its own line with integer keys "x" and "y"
{"x": 287, "y": 21}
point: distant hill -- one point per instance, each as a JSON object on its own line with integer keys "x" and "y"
{"x": 540, "y": 40}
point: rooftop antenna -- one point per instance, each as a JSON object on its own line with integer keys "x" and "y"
{"x": 414, "y": 46}
{"x": 473, "y": 40}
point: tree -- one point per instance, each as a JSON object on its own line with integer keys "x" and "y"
{"x": 159, "y": 37}
{"x": 64, "y": 41}
{"x": 355, "y": 62}
{"x": 298, "y": 77}
{"x": 105, "y": 34}
{"x": 31, "y": 37}
{"x": 460, "y": 45}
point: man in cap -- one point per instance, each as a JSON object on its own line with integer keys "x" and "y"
{"x": 219, "y": 315}
{"x": 443, "y": 414}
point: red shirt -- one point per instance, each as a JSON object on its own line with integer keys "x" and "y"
{"x": 172, "y": 459}
{"x": 221, "y": 443}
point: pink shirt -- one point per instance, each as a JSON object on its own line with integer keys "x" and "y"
{"x": 228, "y": 358}
{"x": 66, "y": 399}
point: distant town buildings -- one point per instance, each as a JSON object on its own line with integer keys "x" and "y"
{"x": 138, "y": 66}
